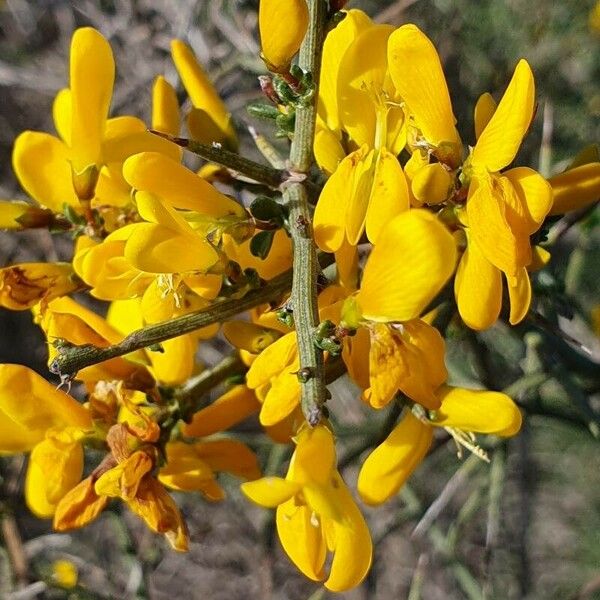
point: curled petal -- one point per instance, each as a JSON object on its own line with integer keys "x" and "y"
{"x": 388, "y": 467}
{"x": 478, "y": 411}
{"x": 499, "y": 142}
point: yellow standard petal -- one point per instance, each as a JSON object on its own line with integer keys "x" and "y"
{"x": 478, "y": 411}
{"x": 388, "y": 467}
{"x": 414, "y": 257}
{"x": 336, "y": 43}
{"x": 417, "y": 73}
{"x": 282, "y": 26}
{"x": 499, "y": 142}
{"x": 91, "y": 81}
{"x": 41, "y": 164}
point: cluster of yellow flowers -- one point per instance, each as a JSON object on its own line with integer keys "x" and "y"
{"x": 160, "y": 241}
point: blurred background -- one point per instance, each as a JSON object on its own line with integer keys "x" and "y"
{"x": 526, "y": 527}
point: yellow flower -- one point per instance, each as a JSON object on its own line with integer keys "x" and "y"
{"x": 282, "y": 25}
{"x": 27, "y": 284}
{"x": 84, "y": 163}
{"x": 388, "y": 467}
{"x": 316, "y": 513}
{"x": 209, "y": 120}
{"x": 36, "y": 417}
{"x": 363, "y": 103}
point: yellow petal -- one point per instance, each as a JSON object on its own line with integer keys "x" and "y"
{"x": 25, "y": 285}
{"x": 336, "y": 43}
{"x": 278, "y": 260}
{"x": 431, "y": 184}
{"x": 272, "y": 360}
{"x": 478, "y": 411}
{"x": 540, "y": 257}
{"x": 478, "y": 289}
{"x": 165, "y": 108}
{"x": 160, "y": 513}
{"x": 388, "y": 467}
{"x": 519, "y": 293}
{"x": 202, "y": 92}
{"x": 61, "y": 114}
{"x": 389, "y": 194}
{"x": 282, "y": 26}
{"x": 270, "y": 492}
{"x": 249, "y": 336}
{"x": 363, "y": 177}
{"x": 484, "y": 110}
{"x": 55, "y": 467}
{"x": 282, "y": 398}
{"x": 328, "y": 150}
{"x": 361, "y": 81}
{"x": 158, "y": 249}
{"x": 155, "y": 173}
{"x": 79, "y": 507}
{"x": 575, "y": 188}
{"x": 387, "y": 365}
{"x": 489, "y": 226}
{"x": 229, "y": 456}
{"x": 417, "y": 73}
{"x": 176, "y": 363}
{"x": 33, "y": 403}
{"x": 329, "y": 217}
{"x": 91, "y": 81}
{"x": 392, "y": 291}
{"x": 353, "y": 548}
{"x": 301, "y": 536}
{"x": 535, "y": 194}
{"x": 315, "y": 459}
{"x": 499, "y": 142}
{"x": 40, "y": 162}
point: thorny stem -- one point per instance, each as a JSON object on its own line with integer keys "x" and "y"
{"x": 304, "y": 285}
{"x": 192, "y": 395}
{"x": 233, "y": 161}
{"x": 72, "y": 358}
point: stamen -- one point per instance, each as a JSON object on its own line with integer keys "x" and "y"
{"x": 466, "y": 439}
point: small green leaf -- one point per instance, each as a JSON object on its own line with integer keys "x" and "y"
{"x": 261, "y": 243}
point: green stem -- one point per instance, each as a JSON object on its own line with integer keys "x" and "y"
{"x": 233, "y": 161}
{"x": 304, "y": 285}
{"x": 72, "y": 358}
{"x": 192, "y": 395}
